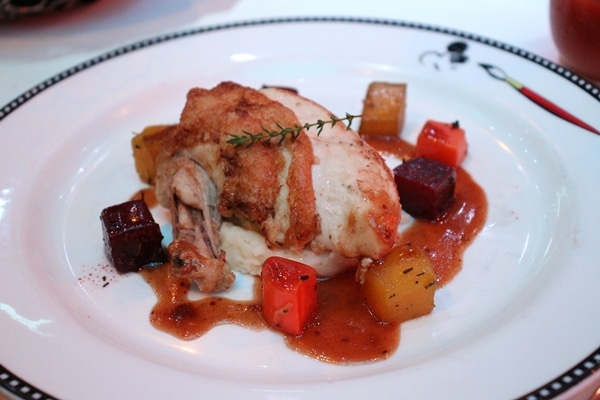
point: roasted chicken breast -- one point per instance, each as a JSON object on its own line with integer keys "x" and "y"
{"x": 326, "y": 199}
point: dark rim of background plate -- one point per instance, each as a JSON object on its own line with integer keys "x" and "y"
{"x": 552, "y": 389}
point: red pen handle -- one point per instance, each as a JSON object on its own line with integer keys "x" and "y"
{"x": 550, "y": 106}
{"x": 556, "y": 110}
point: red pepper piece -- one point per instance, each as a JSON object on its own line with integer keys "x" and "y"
{"x": 289, "y": 294}
{"x": 442, "y": 141}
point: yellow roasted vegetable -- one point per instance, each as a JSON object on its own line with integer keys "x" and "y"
{"x": 384, "y": 109}
{"x": 146, "y": 145}
{"x": 400, "y": 286}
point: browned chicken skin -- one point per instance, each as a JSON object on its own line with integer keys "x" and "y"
{"x": 269, "y": 188}
{"x": 266, "y": 187}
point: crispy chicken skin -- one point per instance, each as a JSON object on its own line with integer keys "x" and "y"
{"x": 356, "y": 197}
{"x": 323, "y": 194}
{"x": 266, "y": 187}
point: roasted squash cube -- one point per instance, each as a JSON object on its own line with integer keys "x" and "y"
{"x": 401, "y": 286}
{"x": 146, "y": 146}
{"x": 289, "y": 294}
{"x": 443, "y": 141}
{"x": 384, "y": 109}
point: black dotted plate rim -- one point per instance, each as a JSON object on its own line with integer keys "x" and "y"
{"x": 559, "y": 385}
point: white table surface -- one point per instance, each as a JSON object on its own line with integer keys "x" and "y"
{"x": 34, "y": 49}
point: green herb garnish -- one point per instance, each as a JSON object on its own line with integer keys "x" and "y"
{"x": 248, "y": 138}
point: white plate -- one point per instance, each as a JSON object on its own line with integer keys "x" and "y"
{"x": 519, "y": 318}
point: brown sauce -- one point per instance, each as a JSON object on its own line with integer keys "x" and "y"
{"x": 446, "y": 238}
{"x": 342, "y": 329}
{"x": 176, "y": 314}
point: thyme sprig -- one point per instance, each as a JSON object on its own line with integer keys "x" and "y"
{"x": 247, "y": 138}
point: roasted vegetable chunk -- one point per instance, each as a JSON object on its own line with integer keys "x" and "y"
{"x": 442, "y": 141}
{"x": 131, "y": 237}
{"x": 289, "y": 294}
{"x": 384, "y": 109}
{"x": 426, "y": 187}
{"x": 146, "y": 145}
{"x": 401, "y": 286}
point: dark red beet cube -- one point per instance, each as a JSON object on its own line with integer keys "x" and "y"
{"x": 131, "y": 237}
{"x": 426, "y": 187}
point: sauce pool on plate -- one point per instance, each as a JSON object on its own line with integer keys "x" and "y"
{"x": 342, "y": 330}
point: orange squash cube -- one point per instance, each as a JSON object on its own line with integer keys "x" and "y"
{"x": 401, "y": 286}
{"x": 384, "y": 109}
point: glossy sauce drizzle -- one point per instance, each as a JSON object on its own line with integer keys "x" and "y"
{"x": 446, "y": 238}
{"x": 342, "y": 330}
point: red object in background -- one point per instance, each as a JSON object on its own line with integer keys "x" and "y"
{"x": 289, "y": 294}
{"x": 576, "y": 32}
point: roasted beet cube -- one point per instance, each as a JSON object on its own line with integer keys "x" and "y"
{"x": 426, "y": 187}
{"x": 131, "y": 237}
